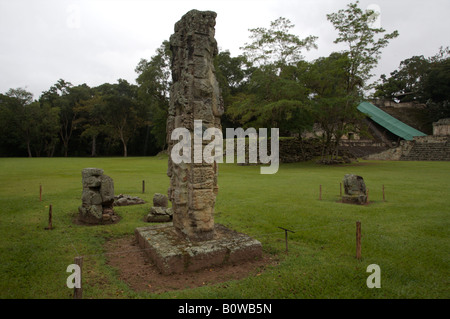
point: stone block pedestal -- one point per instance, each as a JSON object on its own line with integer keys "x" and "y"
{"x": 355, "y": 199}
{"x": 173, "y": 254}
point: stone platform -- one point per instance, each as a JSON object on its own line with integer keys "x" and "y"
{"x": 355, "y": 199}
{"x": 172, "y": 254}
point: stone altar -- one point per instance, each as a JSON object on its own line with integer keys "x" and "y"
{"x": 355, "y": 190}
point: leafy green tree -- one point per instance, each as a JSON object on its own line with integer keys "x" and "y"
{"x": 122, "y": 113}
{"x": 46, "y": 125}
{"x": 268, "y": 94}
{"x": 64, "y": 96}
{"x": 154, "y": 80}
{"x": 334, "y": 109}
{"x": 422, "y": 80}
{"x": 364, "y": 42}
{"x": 19, "y": 116}
{"x": 26, "y": 124}
{"x": 232, "y": 73}
{"x": 273, "y": 93}
{"x": 11, "y": 140}
{"x": 405, "y": 84}
{"x": 293, "y": 117}
{"x": 245, "y": 110}
{"x": 338, "y": 81}
{"x": 276, "y": 45}
{"x": 90, "y": 120}
{"x": 436, "y": 86}
{"x": 22, "y": 96}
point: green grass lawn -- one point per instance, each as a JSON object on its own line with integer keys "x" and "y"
{"x": 407, "y": 236}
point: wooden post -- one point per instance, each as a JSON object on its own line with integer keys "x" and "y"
{"x": 78, "y": 292}
{"x": 384, "y": 198}
{"x": 358, "y": 240}
{"x": 50, "y": 216}
{"x": 143, "y": 187}
{"x": 40, "y": 192}
{"x": 320, "y": 192}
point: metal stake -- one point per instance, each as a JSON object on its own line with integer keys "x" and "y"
{"x": 286, "y": 236}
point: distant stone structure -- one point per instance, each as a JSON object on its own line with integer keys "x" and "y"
{"x": 422, "y": 148}
{"x": 442, "y": 127}
{"x": 97, "y": 197}
{"x": 355, "y": 190}
{"x": 428, "y": 148}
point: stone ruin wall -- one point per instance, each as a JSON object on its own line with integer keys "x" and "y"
{"x": 194, "y": 95}
{"x": 442, "y": 127}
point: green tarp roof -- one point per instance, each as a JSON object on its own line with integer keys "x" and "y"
{"x": 389, "y": 122}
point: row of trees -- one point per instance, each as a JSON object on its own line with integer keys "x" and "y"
{"x": 422, "y": 80}
{"x": 269, "y": 85}
{"x": 67, "y": 118}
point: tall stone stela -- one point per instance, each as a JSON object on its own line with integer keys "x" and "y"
{"x": 192, "y": 241}
{"x": 194, "y": 95}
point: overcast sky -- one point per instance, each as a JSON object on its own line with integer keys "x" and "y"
{"x": 100, "y": 41}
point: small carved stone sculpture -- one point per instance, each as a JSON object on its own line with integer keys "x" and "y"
{"x": 355, "y": 189}
{"x": 160, "y": 212}
{"x": 97, "y": 197}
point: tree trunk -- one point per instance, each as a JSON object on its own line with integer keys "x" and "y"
{"x": 124, "y": 149}
{"x": 94, "y": 150}
{"x": 66, "y": 133}
{"x": 65, "y": 149}
{"x": 29, "y": 149}
{"x": 326, "y": 147}
{"x": 52, "y": 151}
{"x": 302, "y": 148}
{"x": 123, "y": 142}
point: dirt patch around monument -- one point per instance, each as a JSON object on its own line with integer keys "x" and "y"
{"x": 141, "y": 274}
{"x": 77, "y": 221}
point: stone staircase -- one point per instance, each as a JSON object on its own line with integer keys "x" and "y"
{"x": 429, "y": 148}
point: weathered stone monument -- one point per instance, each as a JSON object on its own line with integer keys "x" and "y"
{"x": 193, "y": 240}
{"x": 195, "y": 95}
{"x": 97, "y": 197}
{"x": 127, "y": 200}
{"x": 354, "y": 189}
{"x": 160, "y": 211}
